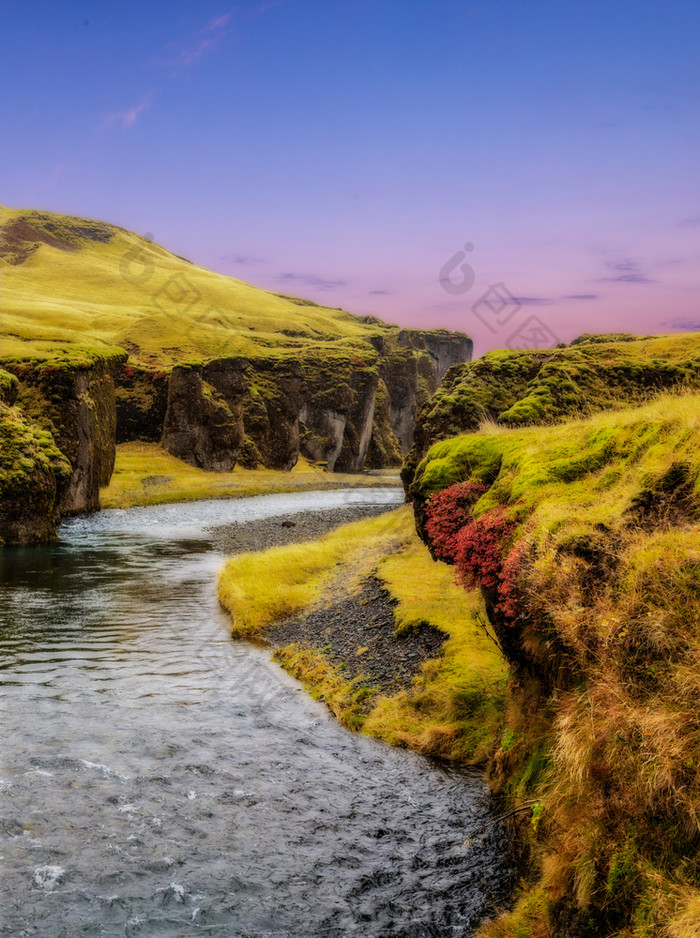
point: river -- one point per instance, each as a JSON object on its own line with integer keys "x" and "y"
{"x": 159, "y": 779}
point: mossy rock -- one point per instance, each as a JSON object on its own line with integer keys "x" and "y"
{"x": 33, "y": 474}
{"x": 515, "y": 388}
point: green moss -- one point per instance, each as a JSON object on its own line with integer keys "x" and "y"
{"x": 9, "y": 386}
{"x": 539, "y": 387}
{"x": 25, "y": 450}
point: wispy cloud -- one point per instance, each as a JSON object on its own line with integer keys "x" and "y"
{"x": 528, "y": 301}
{"x": 381, "y": 293}
{"x": 626, "y": 271}
{"x": 128, "y": 118}
{"x": 220, "y": 22}
{"x": 177, "y": 56}
{"x": 245, "y": 260}
{"x": 311, "y": 280}
{"x": 687, "y": 325}
{"x": 692, "y": 222}
{"x": 582, "y": 296}
{"x": 189, "y": 51}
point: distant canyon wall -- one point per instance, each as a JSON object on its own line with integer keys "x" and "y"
{"x": 348, "y": 409}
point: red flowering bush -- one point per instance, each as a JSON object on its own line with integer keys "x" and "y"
{"x": 509, "y": 593}
{"x": 480, "y": 548}
{"x": 447, "y": 512}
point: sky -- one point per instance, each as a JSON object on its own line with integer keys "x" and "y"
{"x": 520, "y": 170}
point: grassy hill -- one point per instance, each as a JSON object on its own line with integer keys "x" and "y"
{"x": 113, "y": 338}
{"x": 544, "y": 386}
{"x": 70, "y": 282}
{"x": 585, "y": 540}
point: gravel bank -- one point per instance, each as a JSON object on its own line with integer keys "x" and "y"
{"x": 358, "y": 633}
{"x": 246, "y": 536}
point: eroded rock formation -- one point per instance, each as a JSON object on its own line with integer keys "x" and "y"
{"x": 350, "y": 407}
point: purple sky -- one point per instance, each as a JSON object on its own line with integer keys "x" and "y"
{"x": 345, "y": 152}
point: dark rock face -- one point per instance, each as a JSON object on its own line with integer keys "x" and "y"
{"x": 348, "y": 411}
{"x": 34, "y": 474}
{"x": 142, "y": 400}
{"x": 76, "y": 405}
{"x": 358, "y": 428}
{"x": 446, "y": 349}
{"x": 9, "y": 388}
{"x": 201, "y": 426}
{"x": 411, "y": 370}
{"x": 274, "y": 398}
{"x": 33, "y": 478}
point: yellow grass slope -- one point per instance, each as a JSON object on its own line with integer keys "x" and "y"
{"x": 69, "y": 281}
{"x": 454, "y": 708}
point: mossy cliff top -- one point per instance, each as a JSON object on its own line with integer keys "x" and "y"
{"x": 538, "y": 387}
{"x": 585, "y": 540}
{"x": 73, "y": 282}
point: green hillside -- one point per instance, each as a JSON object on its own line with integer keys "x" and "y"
{"x": 584, "y": 538}
{"x": 70, "y": 281}
{"x": 544, "y": 386}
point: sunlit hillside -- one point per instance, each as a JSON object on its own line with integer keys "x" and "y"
{"x": 69, "y": 281}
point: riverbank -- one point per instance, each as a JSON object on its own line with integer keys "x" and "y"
{"x": 244, "y": 536}
{"x": 379, "y": 632}
{"x": 585, "y": 540}
{"x": 145, "y": 474}
{"x": 217, "y": 797}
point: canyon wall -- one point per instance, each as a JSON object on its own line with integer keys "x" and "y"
{"x": 349, "y": 406}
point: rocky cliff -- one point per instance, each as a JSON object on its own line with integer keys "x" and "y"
{"x": 33, "y": 473}
{"x": 348, "y": 408}
{"x": 583, "y": 535}
{"x": 73, "y": 400}
{"x": 112, "y": 338}
{"x": 520, "y": 388}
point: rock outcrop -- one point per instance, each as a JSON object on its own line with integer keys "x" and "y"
{"x": 347, "y": 409}
{"x": 33, "y": 473}
{"x": 74, "y": 402}
{"x": 521, "y": 388}
{"x": 142, "y": 401}
{"x": 204, "y": 426}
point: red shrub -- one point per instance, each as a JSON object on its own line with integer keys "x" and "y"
{"x": 511, "y": 599}
{"x": 447, "y": 512}
{"x": 480, "y": 548}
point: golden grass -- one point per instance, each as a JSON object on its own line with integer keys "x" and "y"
{"x": 145, "y": 474}
{"x": 128, "y": 291}
{"x": 454, "y": 709}
{"x": 602, "y": 726}
{"x": 262, "y": 588}
{"x": 325, "y": 682}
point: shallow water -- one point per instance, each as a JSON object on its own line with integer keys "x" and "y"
{"x": 159, "y": 779}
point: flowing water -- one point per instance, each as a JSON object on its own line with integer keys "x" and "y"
{"x": 159, "y": 779}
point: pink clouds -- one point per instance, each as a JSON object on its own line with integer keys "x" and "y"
{"x": 193, "y": 51}
{"x": 220, "y": 22}
{"x": 127, "y": 119}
